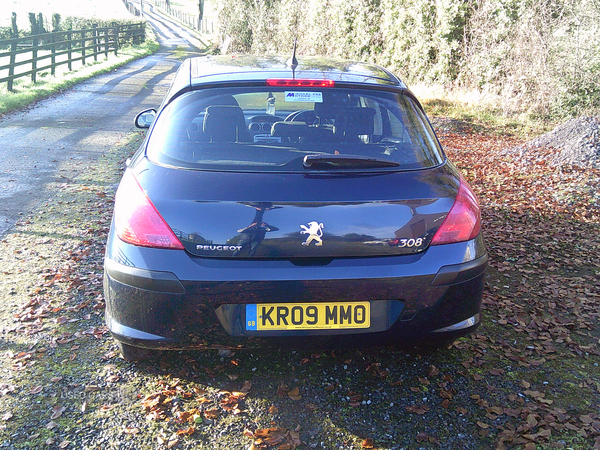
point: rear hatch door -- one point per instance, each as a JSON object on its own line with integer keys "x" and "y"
{"x": 288, "y": 216}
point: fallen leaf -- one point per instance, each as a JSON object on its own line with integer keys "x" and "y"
{"x": 282, "y": 390}
{"x": 211, "y": 413}
{"x": 294, "y": 394}
{"x": 418, "y": 409}
{"x": 422, "y": 437}
{"x": 57, "y": 412}
{"x": 496, "y": 410}
{"x": 367, "y": 443}
{"x": 199, "y": 391}
{"x": 432, "y": 371}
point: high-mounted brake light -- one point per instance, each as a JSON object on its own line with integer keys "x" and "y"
{"x": 301, "y": 83}
{"x": 137, "y": 221}
{"x": 463, "y": 222}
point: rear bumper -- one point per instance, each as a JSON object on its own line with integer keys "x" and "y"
{"x": 412, "y": 298}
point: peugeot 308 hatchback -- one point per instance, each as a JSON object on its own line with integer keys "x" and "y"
{"x": 309, "y": 204}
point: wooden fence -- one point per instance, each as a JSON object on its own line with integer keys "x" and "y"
{"x": 49, "y": 50}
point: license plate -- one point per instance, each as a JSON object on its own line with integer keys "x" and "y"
{"x": 308, "y": 316}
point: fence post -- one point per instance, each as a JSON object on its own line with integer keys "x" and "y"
{"x": 69, "y": 49}
{"x": 53, "y": 58}
{"x": 34, "y": 53}
{"x": 95, "y": 41}
{"x": 13, "y": 49}
{"x": 106, "y": 30}
{"x": 53, "y": 39}
{"x": 117, "y": 32}
{"x": 83, "y": 47}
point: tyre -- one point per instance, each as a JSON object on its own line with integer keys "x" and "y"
{"x": 131, "y": 353}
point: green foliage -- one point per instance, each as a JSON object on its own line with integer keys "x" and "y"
{"x": 425, "y": 36}
{"x": 581, "y": 97}
{"x": 236, "y": 15}
{"x": 540, "y": 57}
{"x": 5, "y": 33}
{"x": 56, "y": 22}
{"x": 81, "y": 23}
{"x": 11, "y": 31}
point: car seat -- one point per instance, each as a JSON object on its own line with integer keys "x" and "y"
{"x": 225, "y": 123}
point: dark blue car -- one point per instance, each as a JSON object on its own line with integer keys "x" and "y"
{"x": 306, "y": 204}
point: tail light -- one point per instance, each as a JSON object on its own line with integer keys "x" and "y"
{"x": 137, "y": 221}
{"x": 463, "y": 222}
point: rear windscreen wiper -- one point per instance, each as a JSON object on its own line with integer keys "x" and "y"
{"x": 345, "y": 161}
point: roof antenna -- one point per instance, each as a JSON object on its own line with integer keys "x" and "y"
{"x": 293, "y": 62}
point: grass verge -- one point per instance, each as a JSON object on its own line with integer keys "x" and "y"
{"x": 480, "y": 112}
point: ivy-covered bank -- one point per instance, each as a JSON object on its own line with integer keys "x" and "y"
{"x": 540, "y": 57}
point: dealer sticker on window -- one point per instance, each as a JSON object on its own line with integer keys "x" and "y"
{"x": 307, "y": 316}
{"x": 314, "y": 97}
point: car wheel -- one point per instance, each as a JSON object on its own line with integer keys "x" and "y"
{"x": 131, "y": 353}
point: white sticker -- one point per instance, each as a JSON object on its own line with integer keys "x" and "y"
{"x": 314, "y": 97}
{"x": 267, "y": 139}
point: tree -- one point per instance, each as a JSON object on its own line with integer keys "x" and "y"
{"x": 200, "y": 13}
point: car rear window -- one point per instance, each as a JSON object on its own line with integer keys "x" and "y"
{"x": 280, "y": 129}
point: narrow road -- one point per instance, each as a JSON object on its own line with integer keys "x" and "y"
{"x": 56, "y": 139}
{"x": 170, "y": 33}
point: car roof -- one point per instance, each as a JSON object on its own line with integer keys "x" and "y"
{"x": 224, "y": 69}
